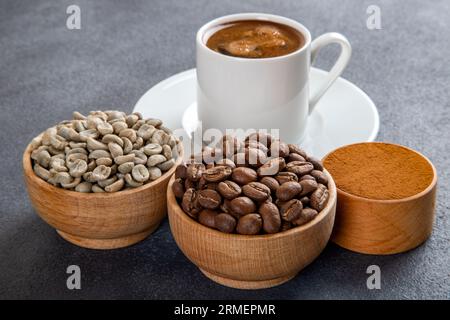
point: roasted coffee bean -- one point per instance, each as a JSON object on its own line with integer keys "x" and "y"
{"x": 190, "y": 203}
{"x": 226, "y": 207}
{"x": 242, "y": 206}
{"x": 299, "y": 168}
{"x": 256, "y": 145}
{"x": 307, "y": 177}
{"x": 202, "y": 183}
{"x": 271, "y": 217}
{"x": 178, "y": 188}
{"x": 217, "y": 174}
{"x": 256, "y": 191}
{"x": 195, "y": 171}
{"x": 240, "y": 160}
{"x": 284, "y": 177}
{"x": 225, "y": 222}
{"x": 291, "y": 210}
{"x": 209, "y": 199}
{"x": 272, "y": 167}
{"x": 226, "y": 162}
{"x": 316, "y": 163}
{"x": 308, "y": 186}
{"x": 271, "y": 182}
{"x": 255, "y": 157}
{"x": 229, "y": 189}
{"x": 288, "y": 190}
{"x": 304, "y": 201}
{"x": 212, "y": 186}
{"x": 285, "y": 225}
{"x": 249, "y": 224}
{"x": 297, "y": 150}
{"x": 180, "y": 171}
{"x": 230, "y": 145}
{"x": 189, "y": 184}
{"x": 210, "y": 155}
{"x": 295, "y": 157}
{"x": 319, "y": 198}
{"x": 260, "y": 137}
{"x": 207, "y": 218}
{"x": 306, "y": 216}
{"x": 244, "y": 175}
{"x": 279, "y": 149}
{"x": 319, "y": 176}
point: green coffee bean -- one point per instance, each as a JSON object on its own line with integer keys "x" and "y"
{"x": 84, "y": 187}
{"x": 126, "y": 167}
{"x": 101, "y": 173}
{"x": 96, "y": 188}
{"x": 152, "y": 148}
{"x": 104, "y": 151}
{"x": 93, "y": 144}
{"x": 155, "y": 160}
{"x": 154, "y": 173}
{"x": 116, "y": 186}
{"x": 140, "y": 173}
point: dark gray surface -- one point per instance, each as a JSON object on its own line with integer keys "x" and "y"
{"x": 124, "y": 48}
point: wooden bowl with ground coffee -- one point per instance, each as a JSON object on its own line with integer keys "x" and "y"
{"x": 386, "y": 197}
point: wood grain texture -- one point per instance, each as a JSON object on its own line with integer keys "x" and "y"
{"x": 99, "y": 220}
{"x": 251, "y": 262}
{"x": 385, "y": 226}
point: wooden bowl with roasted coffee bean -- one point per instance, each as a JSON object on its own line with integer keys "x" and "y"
{"x": 251, "y": 214}
{"x": 100, "y": 180}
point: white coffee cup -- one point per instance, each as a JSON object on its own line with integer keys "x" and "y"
{"x": 266, "y": 93}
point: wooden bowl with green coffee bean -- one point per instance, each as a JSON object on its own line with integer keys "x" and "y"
{"x": 100, "y": 180}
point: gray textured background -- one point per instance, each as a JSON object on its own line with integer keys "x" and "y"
{"x": 124, "y": 48}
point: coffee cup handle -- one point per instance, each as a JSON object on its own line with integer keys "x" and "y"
{"x": 336, "y": 70}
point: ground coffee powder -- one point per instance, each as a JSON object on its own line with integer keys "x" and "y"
{"x": 379, "y": 171}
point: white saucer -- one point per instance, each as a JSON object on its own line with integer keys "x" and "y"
{"x": 344, "y": 115}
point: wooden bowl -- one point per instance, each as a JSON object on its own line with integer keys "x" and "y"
{"x": 99, "y": 220}
{"x": 251, "y": 262}
{"x": 385, "y": 227}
